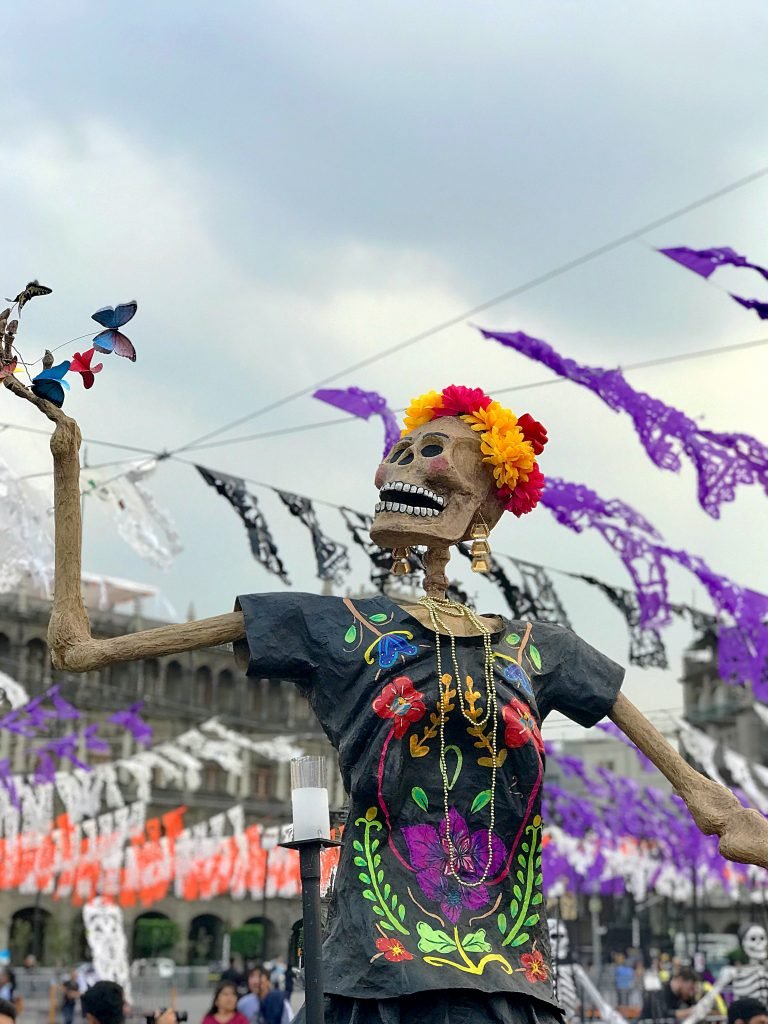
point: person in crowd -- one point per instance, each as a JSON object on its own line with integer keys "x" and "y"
{"x": 250, "y": 1004}
{"x": 7, "y": 1012}
{"x": 623, "y": 978}
{"x": 70, "y": 993}
{"x": 7, "y": 984}
{"x": 104, "y": 1003}
{"x": 224, "y": 1009}
{"x": 674, "y": 1000}
{"x": 747, "y": 1011}
{"x": 275, "y": 1004}
{"x": 232, "y": 974}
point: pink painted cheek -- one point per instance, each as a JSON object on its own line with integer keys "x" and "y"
{"x": 439, "y": 464}
{"x": 379, "y": 478}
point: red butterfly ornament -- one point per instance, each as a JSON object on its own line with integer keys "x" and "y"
{"x": 81, "y": 363}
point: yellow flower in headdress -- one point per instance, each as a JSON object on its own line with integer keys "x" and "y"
{"x": 422, "y": 410}
{"x": 502, "y": 443}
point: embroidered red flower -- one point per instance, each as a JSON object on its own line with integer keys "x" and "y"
{"x": 534, "y": 966}
{"x": 459, "y": 401}
{"x": 393, "y": 950}
{"x": 534, "y": 432}
{"x": 400, "y": 702}
{"x": 520, "y": 726}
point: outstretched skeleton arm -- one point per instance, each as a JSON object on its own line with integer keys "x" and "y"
{"x": 743, "y": 832}
{"x": 607, "y": 1012}
{"x": 703, "y": 1008}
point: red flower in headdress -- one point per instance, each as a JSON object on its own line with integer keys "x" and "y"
{"x": 534, "y": 432}
{"x": 459, "y": 401}
{"x": 525, "y": 496}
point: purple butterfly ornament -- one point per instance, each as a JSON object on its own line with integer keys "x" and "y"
{"x": 112, "y": 339}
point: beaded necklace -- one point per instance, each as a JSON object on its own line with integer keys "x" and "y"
{"x": 438, "y": 608}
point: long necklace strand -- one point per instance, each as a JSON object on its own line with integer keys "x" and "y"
{"x": 437, "y": 608}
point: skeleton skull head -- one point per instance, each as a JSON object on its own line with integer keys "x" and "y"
{"x": 559, "y": 940}
{"x": 432, "y": 486}
{"x": 754, "y": 942}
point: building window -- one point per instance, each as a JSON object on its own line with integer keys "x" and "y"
{"x": 174, "y": 681}
{"x": 204, "y": 687}
{"x": 262, "y": 781}
{"x": 227, "y": 691}
{"x": 214, "y": 779}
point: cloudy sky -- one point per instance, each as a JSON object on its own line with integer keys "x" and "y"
{"x": 289, "y": 188}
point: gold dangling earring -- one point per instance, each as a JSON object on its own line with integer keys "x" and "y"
{"x": 401, "y": 566}
{"x": 480, "y": 549}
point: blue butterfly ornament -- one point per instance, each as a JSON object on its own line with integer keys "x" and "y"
{"x": 50, "y": 383}
{"x": 112, "y": 339}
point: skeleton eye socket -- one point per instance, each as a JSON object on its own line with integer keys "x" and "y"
{"x": 429, "y": 451}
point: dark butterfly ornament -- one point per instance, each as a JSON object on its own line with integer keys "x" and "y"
{"x": 32, "y": 290}
{"x": 112, "y": 339}
{"x": 50, "y": 383}
{"x": 81, "y": 363}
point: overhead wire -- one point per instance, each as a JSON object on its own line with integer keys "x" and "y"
{"x": 504, "y": 296}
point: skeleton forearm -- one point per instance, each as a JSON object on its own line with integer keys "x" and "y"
{"x": 604, "y": 1008}
{"x": 743, "y": 832}
{"x": 704, "y": 1006}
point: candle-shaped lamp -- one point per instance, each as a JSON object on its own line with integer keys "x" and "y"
{"x": 309, "y": 799}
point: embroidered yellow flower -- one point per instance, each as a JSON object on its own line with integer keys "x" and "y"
{"x": 422, "y": 410}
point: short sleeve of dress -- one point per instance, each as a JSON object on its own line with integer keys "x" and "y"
{"x": 278, "y": 640}
{"x": 576, "y": 679}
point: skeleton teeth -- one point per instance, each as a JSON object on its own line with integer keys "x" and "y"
{"x": 389, "y": 506}
{"x": 397, "y": 486}
{"x": 377, "y": 507}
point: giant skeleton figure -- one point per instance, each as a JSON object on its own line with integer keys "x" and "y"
{"x": 435, "y": 712}
{"x": 573, "y": 986}
{"x": 744, "y": 981}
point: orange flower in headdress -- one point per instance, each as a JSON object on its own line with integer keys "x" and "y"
{"x": 509, "y": 445}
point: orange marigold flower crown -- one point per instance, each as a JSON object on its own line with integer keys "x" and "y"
{"x": 509, "y": 444}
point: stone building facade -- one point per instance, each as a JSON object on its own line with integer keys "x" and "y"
{"x": 179, "y": 692}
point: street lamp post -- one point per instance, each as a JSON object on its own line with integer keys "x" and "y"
{"x": 311, "y": 832}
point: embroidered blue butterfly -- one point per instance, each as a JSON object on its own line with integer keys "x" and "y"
{"x": 514, "y": 674}
{"x": 391, "y": 647}
{"x": 112, "y": 339}
{"x": 50, "y": 383}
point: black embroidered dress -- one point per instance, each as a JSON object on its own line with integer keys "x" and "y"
{"x": 402, "y": 924}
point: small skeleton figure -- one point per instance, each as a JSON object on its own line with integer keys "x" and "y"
{"x": 748, "y": 980}
{"x": 573, "y": 985}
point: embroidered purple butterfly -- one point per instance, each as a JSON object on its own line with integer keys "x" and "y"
{"x": 50, "y": 383}
{"x": 112, "y": 339}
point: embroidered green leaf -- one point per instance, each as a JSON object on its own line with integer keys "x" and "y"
{"x": 374, "y": 876}
{"x": 379, "y": 911}
{"x": 360, "y": 862}
{"x": 374, "y": 845}
{"x": 420, "y": 797}
{"x": 368, "y": 895}
{"x": 394, "y": 898}
{"x": 501, "y": 920}
{"x": 378, "y": 617}
{"x": 535, "y": 657}
{"x": 480, "y": 801}
{"x": 387, "y": 925}
{"x": 351, "y": 635}
{"x": 525, "y": 896}
{"x": 386, "y": 890}
{"x": 538, "y": 879}
{"x": 401, "y": 911}
{"x": 432, "y": 940}
{"x": 513, "y": 639}
{"x": 364, "y": 878}
{"x": 459, "y": 762}
{"x": 376, "y": 860}
{"x": 476, "y": 942}
{"x": 358, "y": 845}
{"x": 380, "y": 878}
